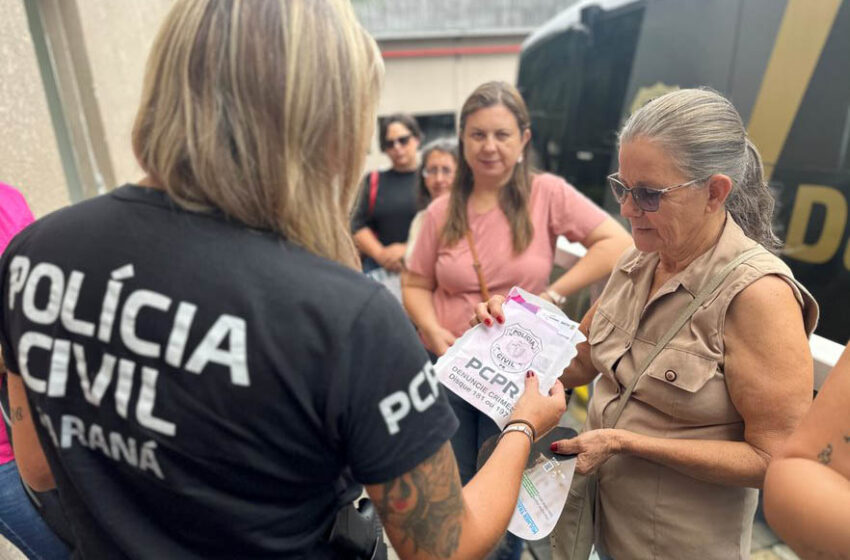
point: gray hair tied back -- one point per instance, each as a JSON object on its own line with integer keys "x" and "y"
{"x": 752, "y": 206}
{"x": 704, "y": 135}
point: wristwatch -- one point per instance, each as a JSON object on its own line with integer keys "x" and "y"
{"x": 556, "y": 298}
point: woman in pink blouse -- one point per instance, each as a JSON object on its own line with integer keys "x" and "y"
{"x": 515, "y": 218}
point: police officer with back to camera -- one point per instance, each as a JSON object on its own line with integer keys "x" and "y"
{"x": 195, "y": 358}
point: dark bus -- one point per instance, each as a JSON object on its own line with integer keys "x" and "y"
{"x": 785, "y": 64}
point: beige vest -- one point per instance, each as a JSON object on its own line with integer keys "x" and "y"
{"x": 647, "y": 510}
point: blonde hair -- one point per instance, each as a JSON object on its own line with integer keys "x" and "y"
{"x": 263, "y": 109}
{"x": 514, "y": 197}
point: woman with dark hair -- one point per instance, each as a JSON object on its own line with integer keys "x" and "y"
{"x": 196, "y": 362}
{"x": 503, "y": 221}
{"x": 387, "y": 201}
{"x": 683, "y": 422}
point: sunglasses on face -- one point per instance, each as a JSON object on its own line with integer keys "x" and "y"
{"x": 644, "y": 198}
{"x": 401, "y": 140}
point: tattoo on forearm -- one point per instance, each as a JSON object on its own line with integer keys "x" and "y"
{"x": 846, "y": 439}
{"x": 427, "y": 505}
{"x": 17, "y": 415}
{"x": 825, "y": 456}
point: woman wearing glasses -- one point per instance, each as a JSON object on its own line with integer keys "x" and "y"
{"x": 678, "y": 475}
{"x": 388, "y": 202}
{"x": 436, "y": 175}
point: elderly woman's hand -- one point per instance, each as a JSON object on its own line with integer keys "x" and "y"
{"x": 593, "y": 448}
{"x": 489, "y": 312}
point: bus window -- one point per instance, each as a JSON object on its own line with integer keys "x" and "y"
{"x": 575, "y": 83}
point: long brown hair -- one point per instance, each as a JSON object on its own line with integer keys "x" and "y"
{"x": 262, "y": 109}
{"x": 514, "y": 196}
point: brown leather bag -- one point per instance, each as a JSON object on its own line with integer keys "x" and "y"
{"x": 476, "y": 264}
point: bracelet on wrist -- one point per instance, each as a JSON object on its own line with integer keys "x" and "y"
{"x": 526, "y": 423}
{"x": 518, "y": 427}
{"x": 556, "y": 298}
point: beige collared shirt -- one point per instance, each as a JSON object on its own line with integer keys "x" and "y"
{"x": 647, "y": 510}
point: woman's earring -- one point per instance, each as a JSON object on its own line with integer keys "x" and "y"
{"x": 519, "y": 159}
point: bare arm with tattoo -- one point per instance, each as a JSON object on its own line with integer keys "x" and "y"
{"x": 426, "y": 512}
{"x": 807, "y": 488}
{"x": 28, "y": 454}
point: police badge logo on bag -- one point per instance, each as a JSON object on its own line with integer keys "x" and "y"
{"x": 514, "y": 351}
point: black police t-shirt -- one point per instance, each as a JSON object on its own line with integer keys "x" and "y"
{"x": 199, "y": 387}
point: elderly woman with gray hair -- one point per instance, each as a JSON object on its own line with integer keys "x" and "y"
{"x": 436, "y": 175}
{"x": 683, "y": 422}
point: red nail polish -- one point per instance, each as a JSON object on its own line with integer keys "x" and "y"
{"x": 528, "y": 374}
{"x": 553, "y": 447}
{"x": 488, "y": 322}
{"x": 500, "y": 319}
{"x": 531, "y": 374}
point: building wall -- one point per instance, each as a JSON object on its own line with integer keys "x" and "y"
{"x": 418, "y": 83}
{"x": 109, "y": 42}
{"x": 118, "y": 37}
{"x": 29, "y": 158}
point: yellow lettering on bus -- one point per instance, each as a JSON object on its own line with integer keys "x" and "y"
{"x": 832, "y": 229}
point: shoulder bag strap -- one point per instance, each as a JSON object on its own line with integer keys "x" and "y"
{"x": 482, "y": 284}
{"x": 700, "y": 298}
{"x": 373, "y": 191}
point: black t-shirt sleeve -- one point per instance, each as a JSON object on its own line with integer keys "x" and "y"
{"x": 360, "y": 218}
{"x": 396, "y": 414}
{"x": 9, "y": 356}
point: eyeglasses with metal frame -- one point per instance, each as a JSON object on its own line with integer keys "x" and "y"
{"x": 644, "y": 198}
{"x": 436, "y": 170}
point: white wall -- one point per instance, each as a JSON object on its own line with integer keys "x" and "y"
{"x": 438, "y": 84}
{"x": 29, "y": 155}
{"x": 118, "y": 37}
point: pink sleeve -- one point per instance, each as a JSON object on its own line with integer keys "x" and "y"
{"x": 423, "y": 261}
{"x": 571, "y": 214}
{"x": 15, "y": 215}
